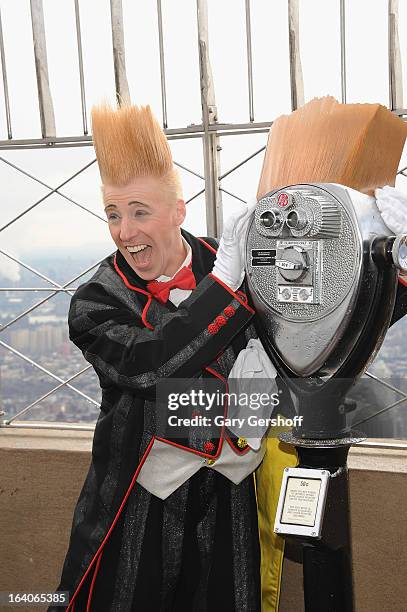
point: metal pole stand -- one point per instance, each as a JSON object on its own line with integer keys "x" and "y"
{"x": 327, "y": 562}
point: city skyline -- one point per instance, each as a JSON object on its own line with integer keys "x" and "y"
{"x": 42, "y": 336}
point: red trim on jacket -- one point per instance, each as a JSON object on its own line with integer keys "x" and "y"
{"x": 225, "y": 405}
{"x": 239, "y": 292}
{"x": 192, "y": 450}
{"x": 225, "y": 412}
{"x": 242, "y": 295}
{"x": 235, "y": 295}
{"x": 208, "y": 246}
{"x": 403, "y": 281}
{"x": 92, "y": 584}
{"x": 133, "y": 288}
{"x": 96, "y": 555}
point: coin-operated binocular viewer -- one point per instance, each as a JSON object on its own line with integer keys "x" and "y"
{"x": 322, "y": 272}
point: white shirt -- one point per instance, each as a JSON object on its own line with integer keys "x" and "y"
{"x": 179, "y": 295}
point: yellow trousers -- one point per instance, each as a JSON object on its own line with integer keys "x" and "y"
{"x": 268, "y": 478}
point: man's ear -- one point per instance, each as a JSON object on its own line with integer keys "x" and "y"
{"x": 181, "y": 212}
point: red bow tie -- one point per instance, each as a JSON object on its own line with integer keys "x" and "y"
{"x": 184, "y": 279}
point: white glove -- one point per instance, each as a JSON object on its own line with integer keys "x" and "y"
{"x": 393, "y": 208}
{"x": 252, "y": 374}
{"x": 229, "y": 262}
{"x": 253, "y": 362}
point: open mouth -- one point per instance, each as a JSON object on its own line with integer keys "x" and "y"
{"x": 141, "y": 254}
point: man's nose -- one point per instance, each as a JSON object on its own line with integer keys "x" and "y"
{"x": 128, "y": 230}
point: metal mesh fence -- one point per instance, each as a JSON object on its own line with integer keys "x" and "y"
{"x": 43, "y": 377}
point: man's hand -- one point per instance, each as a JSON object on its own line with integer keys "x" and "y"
{"x": 229, "y": 262}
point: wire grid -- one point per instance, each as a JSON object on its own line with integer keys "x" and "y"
{"x": 206, "y": 131}
{"x": 57, "y": 287}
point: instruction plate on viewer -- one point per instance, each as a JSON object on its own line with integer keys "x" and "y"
{"x": 302, "y": 502}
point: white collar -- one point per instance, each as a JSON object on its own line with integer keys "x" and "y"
{"x": 185, "y": 263}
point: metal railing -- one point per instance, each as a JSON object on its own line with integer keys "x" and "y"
{"x": 210, "y": 130}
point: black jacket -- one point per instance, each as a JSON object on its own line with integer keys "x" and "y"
{"x": 133, "y": 341}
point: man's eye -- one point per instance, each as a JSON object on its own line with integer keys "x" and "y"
{"x": 140, "y": 213}
{"x": 111, "y": 217}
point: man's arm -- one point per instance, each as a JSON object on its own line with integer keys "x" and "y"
{"x": 113, "y": 339}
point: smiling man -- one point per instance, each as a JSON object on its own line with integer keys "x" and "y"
{"x": 163, "y": 523}
{"x": 144, "y": 220}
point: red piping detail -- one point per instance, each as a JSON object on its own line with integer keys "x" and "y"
{"x": 191, "y": 450}
{"x": 216, "y": 374}
{"x": 238, "y": 298}
{"x": 133, "y": 288}
{"x": 403, "y": 281}
{"x": 92, "y": 584}
{"x": 237, "y": 450}
{"x": 208, "y": 246}
{"x": 242, "y": 300}
{"x": 225, "y": 409}
{"x": 133, "y": 480}
{"x": 144, "y": 313}
{"x": 242, "y": 295}
{"x": 201, "y": 453}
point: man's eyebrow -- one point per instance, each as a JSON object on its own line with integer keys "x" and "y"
{"x": 139, "y": 203}
{"x": 132, "y": 202}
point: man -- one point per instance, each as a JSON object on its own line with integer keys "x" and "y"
{"x": 161, "y": 523}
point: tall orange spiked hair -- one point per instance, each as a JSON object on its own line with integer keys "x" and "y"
{"x": 130, "y": 143}
{"x": 357, "y": 145}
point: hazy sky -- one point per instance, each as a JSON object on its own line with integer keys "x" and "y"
{"x": 57, "y": 225}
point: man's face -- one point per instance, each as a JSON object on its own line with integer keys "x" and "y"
{"x": 144, "y": 220}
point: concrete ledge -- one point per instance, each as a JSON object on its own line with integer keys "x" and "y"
{"x": 47, "y": 438}
{"x": 378, "y": 458}
{"x": 43, "y": 471}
